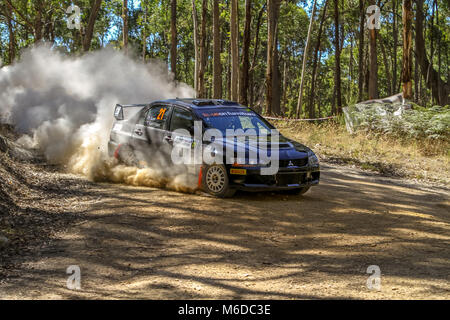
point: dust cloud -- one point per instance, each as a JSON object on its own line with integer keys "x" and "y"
{"x": 64, "y": 107}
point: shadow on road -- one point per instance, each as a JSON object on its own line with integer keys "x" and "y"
{"x": 151, "y": 243}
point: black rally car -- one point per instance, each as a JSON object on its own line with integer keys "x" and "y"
{"x": 146, "y": 135}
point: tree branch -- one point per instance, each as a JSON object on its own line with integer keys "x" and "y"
{"x": 8, "y": 2}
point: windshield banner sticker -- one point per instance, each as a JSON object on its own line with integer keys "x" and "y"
{"x": 238, "y": 146}
{"x": 229, "y": 114}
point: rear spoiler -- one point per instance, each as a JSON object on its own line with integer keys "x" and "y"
{"x": 118, "y": 111}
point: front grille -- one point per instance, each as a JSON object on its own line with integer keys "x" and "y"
{"x": 259, "y": 179}
{"x": 289, "y": 179}
{"x": 294, "y": 163}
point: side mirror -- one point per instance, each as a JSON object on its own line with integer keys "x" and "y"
{"x": 118, "y": 112}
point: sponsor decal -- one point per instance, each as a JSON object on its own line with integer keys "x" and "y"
{"x": 241, "y": 172}
{"x": 117, "y": 127}
{"x": 229, "y": 114}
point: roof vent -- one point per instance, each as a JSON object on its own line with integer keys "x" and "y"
{"x": 219, "y": 102}
{"x": 227, "y": 103}
{"x": 204, "y": 103}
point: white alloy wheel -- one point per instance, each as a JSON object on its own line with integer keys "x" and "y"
{"x": 216, "y": 179}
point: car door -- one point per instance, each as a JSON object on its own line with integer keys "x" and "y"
{"x": 181, "y": 118}
{"x": 139, "y": 140}
{"x": 155, "y": 129}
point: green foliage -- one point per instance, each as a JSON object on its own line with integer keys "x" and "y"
{"x": 419, "y": 123}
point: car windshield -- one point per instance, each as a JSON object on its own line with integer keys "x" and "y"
{"x": 235, "y": 119}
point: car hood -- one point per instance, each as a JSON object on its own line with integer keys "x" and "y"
{"x": 287, "y": 148}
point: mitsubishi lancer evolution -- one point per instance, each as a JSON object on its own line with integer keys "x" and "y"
{"x": 224, "y": 145}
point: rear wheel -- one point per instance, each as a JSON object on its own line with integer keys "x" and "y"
{"x": 216, "y": 182}
{"x": 125, "y": 155}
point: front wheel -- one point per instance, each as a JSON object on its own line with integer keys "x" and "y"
{"x": 216, "y": 181}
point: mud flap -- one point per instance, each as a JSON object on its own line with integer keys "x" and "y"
{"x": 200, "y": 179}
{"x": 116, "y": 152}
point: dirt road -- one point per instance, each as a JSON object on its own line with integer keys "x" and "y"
{"x": 150, "y": 243}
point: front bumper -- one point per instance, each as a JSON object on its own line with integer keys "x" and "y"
{"x": 285, "y": 179}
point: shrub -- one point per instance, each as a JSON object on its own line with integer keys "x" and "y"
{"x": 417, "y": 123}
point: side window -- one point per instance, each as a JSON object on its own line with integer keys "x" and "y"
{"x": 181, "y": 119}
{"x": 157, "y": 116}
{"x": 142, "y": 116}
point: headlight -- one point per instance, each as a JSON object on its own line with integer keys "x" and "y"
{"x": 313, "y": 160}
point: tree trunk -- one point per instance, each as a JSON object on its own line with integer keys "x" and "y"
{"x": 350, "y": 72}
{"x": 234, "y": 50}
{"x": 12, "y": 39}
{"x": 431, "y": 45}
{"x": 407, "y": 42}
{"x": 39, "y": 7}
{"x": 366, "y": 69}
{"x": 373, "y": 63}
{"x": 125, "y": 26}
{"x": 196, "y": 46}
{"x": 173, "y": 40}
{"x": 416, "y": 80}
{"x": 48, "y": 24}
{"x": 319, "y": 110}
{"x": 386, "y": 69}
{"x": 217, "y": 67}
{"x": 283, "y": 108}
{"x": 440, "y": 90}
{"x": 362, "y": 18}
{"x": 245, "y": 55}
{"x": 439, "y": 47}
{"x": 228, "y": 73}
{"x": 144, "y": 36}
{"x": 201, "y": 72}
{"x": 269, "y": 68}
{"x": 255, "y": 53}
{"x": 272, "y": 17}
{"x": 305, "y": 57}
{"x": 394, "y": 51}
{"x": 276, "y": 80}
{"x": 337, "y": 77}
{"x": 90, "y": 26}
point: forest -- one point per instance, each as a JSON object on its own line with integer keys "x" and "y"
{"x": 297, "y": 59}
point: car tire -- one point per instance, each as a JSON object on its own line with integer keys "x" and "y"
{"x": 298, "y": 191}
{"x": 126, "y": 155}
{"x": 215, "y": 181}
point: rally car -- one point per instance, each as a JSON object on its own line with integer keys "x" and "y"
{"x": 152, "y": 134}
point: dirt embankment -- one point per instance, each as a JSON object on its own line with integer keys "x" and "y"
{"x": 36, "y": 200}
